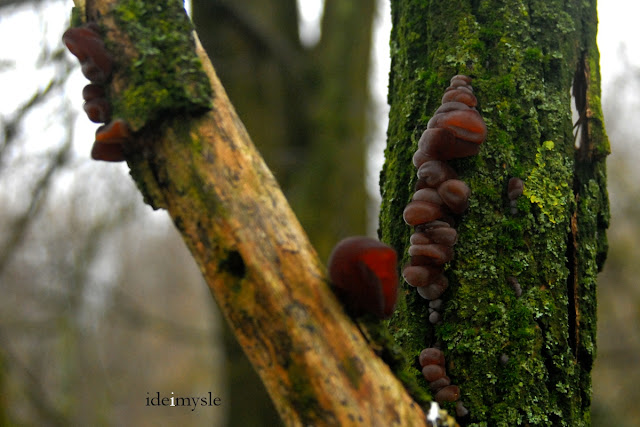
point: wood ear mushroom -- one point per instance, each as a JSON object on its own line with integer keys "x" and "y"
{"x": 456, "y": 130}
{"x": 364, "y": 276}
{"x": 85, "y": 42}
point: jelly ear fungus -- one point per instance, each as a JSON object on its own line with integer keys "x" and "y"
{"x": 364, "y": 276}
{"x": 455, "y": 131}
{"x": 97, "y": 64}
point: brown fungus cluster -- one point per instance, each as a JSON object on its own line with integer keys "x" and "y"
{"x": 456, "y": 130}
{"x": 433, "y": 369}
{"x": 86, "y": 44}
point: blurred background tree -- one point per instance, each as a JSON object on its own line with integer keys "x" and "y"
{"x": 92, "y": 320}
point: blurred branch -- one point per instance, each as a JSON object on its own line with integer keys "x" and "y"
{"x": 34, "y": 388}
{"x": 10, "y": 127}
{"x": 7, "y": 3}
{"x": 261, "y": 37}
{"x": 125, "y": 309}
{"x": 20, "y": 225}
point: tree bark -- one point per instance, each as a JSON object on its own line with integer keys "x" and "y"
{"x": 518, "y": 360}
{"x": 254, "y": 255}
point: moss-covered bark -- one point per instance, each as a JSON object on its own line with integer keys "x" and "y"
{"x": 525, "y": 57}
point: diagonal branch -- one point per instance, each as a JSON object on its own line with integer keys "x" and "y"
{"x": 258, "y": 262}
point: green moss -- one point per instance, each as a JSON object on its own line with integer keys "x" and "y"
{"x": 165, "y": 74}
{"x": 547, "y": 185}
{"x": 353, "y": 369}
{"x": 77, "y": 17}
{"x": 303, "y": 398}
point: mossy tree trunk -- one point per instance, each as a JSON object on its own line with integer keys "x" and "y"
{"x": 526, "y": 360}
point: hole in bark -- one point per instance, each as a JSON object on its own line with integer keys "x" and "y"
{"x": 234, "y": 264}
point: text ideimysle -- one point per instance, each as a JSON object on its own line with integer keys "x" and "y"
{"x": 190, "y": 401}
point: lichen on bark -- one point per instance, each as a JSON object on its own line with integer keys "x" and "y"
{"x": 523, "y": 56}
{"x": 163, "y": 74}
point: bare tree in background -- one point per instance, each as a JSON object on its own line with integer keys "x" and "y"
{"x": 85, "y": 332}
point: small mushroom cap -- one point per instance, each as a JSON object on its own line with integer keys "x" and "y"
{"x": 431, "y": 356}
{"x": 450, "y": 393}
{"x": 419, "y": 157}
{"x": 434, "y": 317}
{"x": 465, "y": 122}
{"x": 87, "y": 45}
{"x": 437, "y": 385}
{"x": 363, "y": 272}
{"x": 428, "y": 195}
{"x": 434, "y": 253}
{"x": 460, "y": 80}
{"x": 421, "y": 275}
{"x": 115, "y": 132}
{"x": 460, "y": 94}
{"x": 433, "y": 372}
{"x": 420, "y": 212}
{"x": 107, "y": 152}
{"x": 515, "y": 285}
{"x": 515, "y": 188}
{"x": 98, "y": 110}
{"x": 434, "y": 289}
{"x": 447, "y": 236}
{"x": 442, "y": 144}
{"x": 92, "y": 91}
{"x": 455, "y": 194}
{"x": 461, "y": 411}
{"x": 435, "y": 172}
{"x": 436, "y": 304}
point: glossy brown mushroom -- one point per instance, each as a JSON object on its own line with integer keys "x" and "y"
{"x": 435, "y": 172}
{"x": 433, "y": 372}
{"x": 460, "y": 94}
{"x": 465, "y": 122}
{"x": 420, "y": 212}
{"x": 450, "y": 393}
{"x": 109, "y": 141}
{"x": 421, "y": 275}
{"x": 431, "y": 356}
{"x": 455, "y": 194}
{"x": 515, "y": 187}
{"x": 442, "y": 144}
{"x": 364, "y": 276}
{"x": 443, "y": 235}
{"x": 87, "y": 45}
{"x": 434, "y": 289}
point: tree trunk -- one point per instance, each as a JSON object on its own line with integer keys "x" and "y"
{"x": 518, "y": 360}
